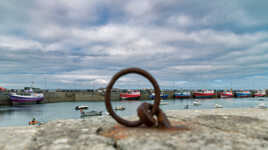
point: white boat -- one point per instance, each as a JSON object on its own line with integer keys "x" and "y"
{"x": 89, "y": 113}
{"x": 163, "y": 103}
{"x": 196, "y": 103}
{"x": 259, "y": 93}
{"x": 120, "y": 107}
{"x": 261, "y": 106}
{"x": 81, "y": 107}
{"x": 27, "y": 97}
{"x": 218, "y": 106}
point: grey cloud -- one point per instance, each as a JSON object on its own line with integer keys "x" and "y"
{"x": 81, "y": 43}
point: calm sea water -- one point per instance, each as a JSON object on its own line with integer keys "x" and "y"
{"x": 22, "y": 114}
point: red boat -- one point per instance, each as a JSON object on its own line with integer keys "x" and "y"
{"x": 131, "y": 95}
{"x": 2, "y": 89}
{"x": 181, "y": 95}
{"x": 260, "y": 93}
{"x": 204, "y": 94}
{"x": 226, "y": 94}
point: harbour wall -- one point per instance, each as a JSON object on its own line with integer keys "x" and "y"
{"x": 4, "y": 99}
{"x": 53, "y": 97}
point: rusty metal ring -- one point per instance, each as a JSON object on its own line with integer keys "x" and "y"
{"x": 110, "y": 86}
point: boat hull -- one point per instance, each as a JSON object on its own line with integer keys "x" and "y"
{"x": 204, "y": 95}
{"x": 226, "y": 96}
{"x": 222, "y": 95}
{"x": 259, "y": 95}
{"x": 130, "y": 98}
{"x": 165, "y": 96}
{"x": 181, "y": 96}
{"x": 19, "y": 99}
{"x": 243, "y": 95}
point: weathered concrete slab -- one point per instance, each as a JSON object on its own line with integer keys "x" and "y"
{"x": 225, "y": 129}
{"x": 16, "y": 137}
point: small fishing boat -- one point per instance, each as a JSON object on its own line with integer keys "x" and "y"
{"x": 196, "y": 103}
{"x": 29, "y": 94}
{"x": 218, "y": 106}
{"x": 87, "y": 114}
{"x": 260, "y": 93}
{"x": 163, "y": 103}
{"x": 226, "y": 94}
{"x": 243, "y": 93}
{"x": 81, "y": 107}
{"x": 34, "y": 122}
{"x": 181, "y": 95}
{"x": 204, "y": 94}
{"x": 91, "y": 113}
{"x": 162, "y": 95}
{"x": 130, "y": 95}
{"x": 261, "y": 106}
{"x": 120, "y": 107}
{"x": 26, "y": 97}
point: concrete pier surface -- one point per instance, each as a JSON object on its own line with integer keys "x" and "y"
{"x": 224, "y": 129}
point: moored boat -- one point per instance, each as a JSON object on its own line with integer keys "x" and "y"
{"x": 260, "y": 93}
{"x": 130, "y": 95}
{"x": 27, "y": 96}
{"x": 81, "y": 107}
{"x": 91, "y": 113}
{"x": 204, "y": 94}
{"x": 120, "y": 107}
{"x": 261, "y": 106}
{"x": 226, "y": 94}
{"x": 184, "y": 94}
{"x": 163, "y": 103}
{"x": 218, "y": 106}
{"x": 2, "y": 89}
{"x": 196, "y": 103}
{"x": 243, "y": 93}
{"x": 162, "y": 95}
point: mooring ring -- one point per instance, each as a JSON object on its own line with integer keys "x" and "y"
{"x": 110, "y": 86}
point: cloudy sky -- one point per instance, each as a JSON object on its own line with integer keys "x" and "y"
{"x": 182, "y": 43}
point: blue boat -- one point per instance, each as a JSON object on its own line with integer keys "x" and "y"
{"x": 184, "y": 94}
{"x": 163, "y": 96}
{"x": 243, "y": 94}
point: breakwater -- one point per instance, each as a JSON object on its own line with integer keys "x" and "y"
{"x": 72, "y": 96}
{"x": 4, "y": 100}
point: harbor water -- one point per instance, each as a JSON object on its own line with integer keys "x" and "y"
{"x": 20, "y": 115}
